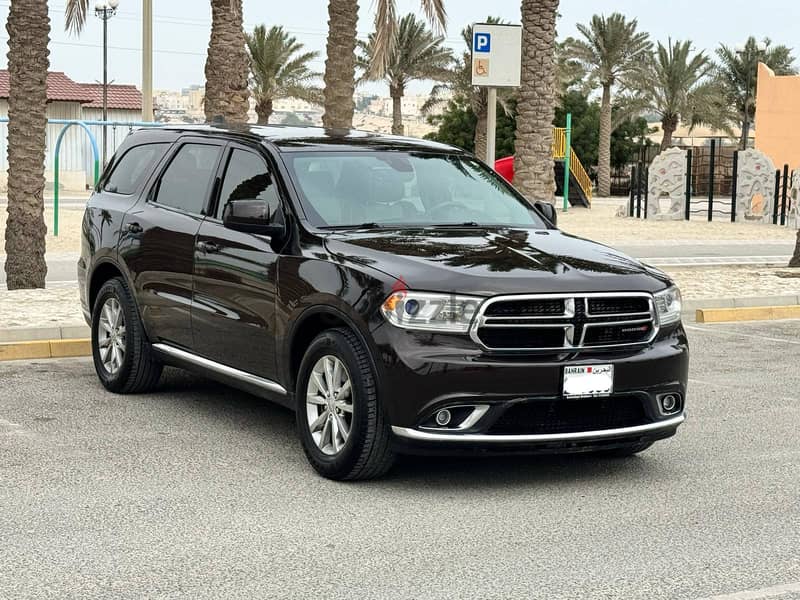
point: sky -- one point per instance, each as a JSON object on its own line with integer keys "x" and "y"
{"x": 181, "y": 30}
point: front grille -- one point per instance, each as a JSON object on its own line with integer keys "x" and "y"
{"x": 617, "y": 306}
{"x": 565, "y": 322}
{"x": 545, "y": 307}
{"x": 570, "y": 416}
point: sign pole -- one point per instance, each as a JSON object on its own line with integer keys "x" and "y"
{"x": 567, "y": 156}
{"x": 491, "y": 125}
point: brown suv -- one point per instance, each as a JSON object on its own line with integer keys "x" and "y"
{"x": 396, "y": 293}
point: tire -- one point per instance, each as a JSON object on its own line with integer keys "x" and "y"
{"x": 366, "y": 453}
{"x": 136, "y": 370}
{"x": 626, "y": 451}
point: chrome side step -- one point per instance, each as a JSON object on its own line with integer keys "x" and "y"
{"x": 220, "y": 369}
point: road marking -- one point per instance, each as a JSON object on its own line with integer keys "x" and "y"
{"x": 770, "y": 592}
{"x": 747, "y": 335}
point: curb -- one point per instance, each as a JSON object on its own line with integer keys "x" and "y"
{"x": 752, "y": 313}
{"x": 45, "y": 349}
{"x": 746, "y": 302}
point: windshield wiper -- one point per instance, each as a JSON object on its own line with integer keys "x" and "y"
{"x": 361, "y": 226}
{"x": 457, "y": 225}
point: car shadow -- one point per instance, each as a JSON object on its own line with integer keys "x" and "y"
{"x": 275, "y": 424}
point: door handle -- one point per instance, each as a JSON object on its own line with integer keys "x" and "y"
{"x": 134, "y": 228}
{"x": 207, "y": 247}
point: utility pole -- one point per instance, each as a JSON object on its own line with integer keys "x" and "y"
{"x": 147, "y": 60}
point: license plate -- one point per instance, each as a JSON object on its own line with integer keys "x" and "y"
{"x": 588, "y": 381}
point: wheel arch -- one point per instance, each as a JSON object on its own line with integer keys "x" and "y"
{"x": 102, "y": 272}
{"x": 308, "y": 326}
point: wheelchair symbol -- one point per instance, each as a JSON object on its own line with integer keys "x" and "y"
{"x": 482, "y": 67}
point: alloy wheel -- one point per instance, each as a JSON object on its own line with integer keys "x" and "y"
{"x": 329, "y": 404}
{"x": 111, "y": 336}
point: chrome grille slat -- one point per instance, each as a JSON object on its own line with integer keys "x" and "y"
{"x": 576, "y": 320}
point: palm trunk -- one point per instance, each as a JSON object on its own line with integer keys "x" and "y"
{"x": 227, "y": 65}
{"x": 28, "y": 28}
{"x": 480, "y": 135}
{"x": 396, "y": 92}
{"x": 340, "y": 66}
{"x": 264, "y": 110}
{"x": 604, "y": 150}
{"x": 533, "y": 163}
{"x": 795, "y": 261}
{"x": 668, "y": 125}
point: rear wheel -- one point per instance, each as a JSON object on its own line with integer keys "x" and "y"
{"x": 123, "y": 358}
{"x": 339, "y": 418}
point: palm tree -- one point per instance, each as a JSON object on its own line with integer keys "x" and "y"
{"x": 227, "y": 64}
{"x": 459, "y": 87}
{"x": 280, "y": 69}
{"x": 737, "y": 72}
{"x": 674, "y": 84}
{"x": 340, "y": 65}
{"x": 533, "y": 162}
{"x": 612, "y": 51}
{"x": 416, "y": 54}
{"x": 28, "y": 27}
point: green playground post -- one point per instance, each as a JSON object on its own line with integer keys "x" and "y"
{"x": 567, "y": 153}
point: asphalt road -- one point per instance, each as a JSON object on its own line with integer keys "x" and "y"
{"x": 197, "y": 491}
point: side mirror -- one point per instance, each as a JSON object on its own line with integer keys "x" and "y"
{"x": 253, "y": 216}
{"x": 548, "y": 211}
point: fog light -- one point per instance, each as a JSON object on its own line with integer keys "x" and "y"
{"x": 443, "y": 417}
{"x": 669, "y": 403}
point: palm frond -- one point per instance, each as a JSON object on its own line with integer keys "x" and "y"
{"x": 75, "y": 15}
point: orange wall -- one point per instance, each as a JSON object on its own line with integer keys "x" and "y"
{"x": 778, "y": 117}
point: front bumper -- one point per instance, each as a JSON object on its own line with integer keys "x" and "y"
{"x": 422, "y": 373}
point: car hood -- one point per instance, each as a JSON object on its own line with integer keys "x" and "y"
{"x": 494, "y": 261}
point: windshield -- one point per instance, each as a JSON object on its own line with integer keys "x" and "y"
{"x": 348, "y": 189}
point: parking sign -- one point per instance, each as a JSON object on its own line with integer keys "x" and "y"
{"x": 482, "y": 42}
{"x": 496, "y": 55}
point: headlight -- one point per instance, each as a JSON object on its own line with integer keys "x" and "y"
{"x": 432, "y": 312}
{"x": 668, "y": 306}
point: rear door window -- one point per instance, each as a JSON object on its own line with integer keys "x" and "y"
{"x": 185, "y": 183}
{"x": 132, "y": 169}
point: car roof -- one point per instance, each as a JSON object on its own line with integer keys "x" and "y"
{"x": 290, "y": 138}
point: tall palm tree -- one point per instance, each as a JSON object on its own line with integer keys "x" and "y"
{"x": 28, "y": 28}
{"x": 340, "y": 65}
{"x": 280, "y": 69}
{"x": 227, "y": 64}
{"x": 533, "y": 162}
{"x": 612, "y": 51}
{"x": 737, "y": 72}
{"x": 459, "y": 86}
{"x": 416, "y": 54}
{"x": 674, "y": 84}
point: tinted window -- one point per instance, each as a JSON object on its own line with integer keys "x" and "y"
{"x": 247, "y": 178}
{"x": 184, "y": 184}
{"x": 408, "y": 188}
{"x": 133, "y": 167}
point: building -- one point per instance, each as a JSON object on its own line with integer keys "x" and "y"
{"x": 69, "y": 100}
{"x": 778, "y": 117}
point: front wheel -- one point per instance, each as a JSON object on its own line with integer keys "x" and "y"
{"x": 339, "y": 417}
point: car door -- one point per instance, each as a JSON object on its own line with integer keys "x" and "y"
{"x": 158, "y": 239}
{"x": 233, "y": 312}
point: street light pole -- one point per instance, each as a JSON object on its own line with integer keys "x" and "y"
{"x": 104, "y": 10}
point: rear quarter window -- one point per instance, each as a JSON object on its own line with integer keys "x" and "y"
{"x": 133, "y": 167}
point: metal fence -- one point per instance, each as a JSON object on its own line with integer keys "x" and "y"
{"x": 711, "y": 186}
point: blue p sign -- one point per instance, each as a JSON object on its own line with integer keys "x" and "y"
{"x": 482, "y": 42}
